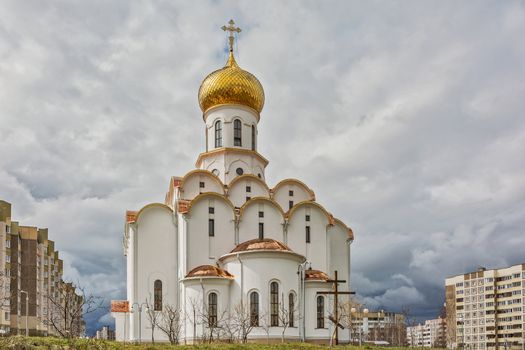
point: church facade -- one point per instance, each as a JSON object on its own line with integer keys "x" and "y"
{"x": 235, "y": 257}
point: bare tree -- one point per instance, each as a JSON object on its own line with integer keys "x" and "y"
{"x": 192, "y": 312}
{"x": 170, "y": 323}
{"x": 228, "y": 329}
{"x": 286, "y": 315}
{"x": 265, "y": 325}
{"x": 242, "y": 321}
{"x": 212, "y": 322}
{"x": 348, "y": 319}
{"x": 67, "y": 306}
{"x": 154, "y": 318}
{"x": 441, "y": 338}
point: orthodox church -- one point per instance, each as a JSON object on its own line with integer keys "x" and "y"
{"x": 225, "y": 248}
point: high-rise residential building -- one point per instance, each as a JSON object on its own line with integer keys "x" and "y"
{"x": 5, "y": 270}
{"x": 31, "y": 281}
{"x": 431, "y": 334}
{"x": 105, "y": 333}
{"x": 486, "y": 309}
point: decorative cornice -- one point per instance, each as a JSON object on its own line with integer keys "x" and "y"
{"x": 249, "y": 177}
{"x": 152, "y": 205}
{"x": 231, "y": 105}
{"x": 298, "y": 182}
{"x": 259, "y": 199}
{"x": 222, "y": 150}
{"x": 189, "y": 204}
{"x": 349, "y": 231}
{"x": 329, "y": 216}
{"x": 202, "y": 172}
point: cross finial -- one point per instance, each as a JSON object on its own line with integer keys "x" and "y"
{"x": 231, "y": 28}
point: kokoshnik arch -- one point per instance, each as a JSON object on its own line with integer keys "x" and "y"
{"x": 223, "y": 238}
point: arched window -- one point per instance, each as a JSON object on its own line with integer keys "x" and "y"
{"x": 237, "y": 133}
{"x": 320, "y": 312}
{"x": 218, "y": 133}
{"x": 254, "y": 309}
{"x": 274, "y": 304}
{"x": 212, "y": 309}
{"x": 157, "y": 295}
{"x": 291, "y": 309}
{"x": 253, "y": 137}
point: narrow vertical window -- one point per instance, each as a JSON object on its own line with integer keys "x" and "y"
{"x": 211, "y": 210}
{"x": 261, "y": 230}
{"x": 290, "y": 193}
{"x": 253, "y": 137}
{"x": 261, "y": 214}
{"x": 249, "y": 189}
{"x": 320, "y": 312}
{"x": 290, "y": 204}
{"x": 201, "y": 184}
{"x": 254, "y": 309}
{"x": 307, "y": 218}
{"x": 212, "y": 309}
{"x": 157, "y": 295}
{"x": 291, "y": 309}
{"x": 211, "y": 227}
{"x": 237, "y": 133}
{"x": 218, "y": 133}
{"x": 307, "y": 231}
{"x": 274, "y": 304}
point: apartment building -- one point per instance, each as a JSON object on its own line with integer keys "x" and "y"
{"x": 430, "y": 334}
{"x": 377, "y": 327}
{"x": 34, "y": 292}
{"x": 5, "y": 270}
{"x": 486, "y": 309}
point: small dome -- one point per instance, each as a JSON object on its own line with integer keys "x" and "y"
{"x": 316, "y": 275}
{"x": 231, "y": 85}
{"x": 209, "y": 271}
{"x": 261, "y": 244}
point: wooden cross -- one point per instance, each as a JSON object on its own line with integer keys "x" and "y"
{"x": 232, "y": 29}
{"x": 336, "y": 294}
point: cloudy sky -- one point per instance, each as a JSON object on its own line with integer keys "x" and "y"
{"x": 406, "y": 118}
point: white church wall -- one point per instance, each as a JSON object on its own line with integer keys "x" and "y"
{"x": 273, "y": 221}
{"x": 255, "y": 273}
{"x": 246, "y": 161}
{"x": 156, "y": 248}
{"x": 316, "y": 250}
{"x": 192, "y": 184}
{"x": 203, "y": 249}
{"x": 196, "y": 291}
{"x": 338, "y": 252}
{"x": 311, "y": 330}
{"x": 237, "y": 193}
{"x": 227, "y": 114}
{"x": 282, "y": 194}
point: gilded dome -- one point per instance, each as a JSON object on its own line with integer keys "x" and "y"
{"x": 231, "y": 85}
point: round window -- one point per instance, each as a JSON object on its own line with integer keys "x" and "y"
{"x": 215, "y": 172}
{"x": 239, "y": 171}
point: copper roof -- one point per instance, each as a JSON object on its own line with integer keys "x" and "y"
{"x": 316, "y": 275}
{"x": 261, "y": 244}
{"x": 209, "y": 271}
{"x": 131, "y": 216}
{"x": 119, "y": 306}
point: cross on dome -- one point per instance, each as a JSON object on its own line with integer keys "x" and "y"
{"x": 232, "y": 29}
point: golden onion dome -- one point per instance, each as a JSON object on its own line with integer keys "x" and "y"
{"x": 231, "y": 85}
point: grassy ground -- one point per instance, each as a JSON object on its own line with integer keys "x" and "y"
{"x": 33, "y": 343}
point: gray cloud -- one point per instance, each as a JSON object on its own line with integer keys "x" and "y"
{"x": 406, "y": 118}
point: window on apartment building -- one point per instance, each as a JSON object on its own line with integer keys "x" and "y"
{"x": 8, "y": 258}
{"x": 8, "y": 242}
{"x": 7, "y": 316}
{"x": 7, "y": 229}
{"x": 157, "y": 295}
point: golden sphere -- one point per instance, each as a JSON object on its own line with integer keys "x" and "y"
{"x": 231, "y": 85}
